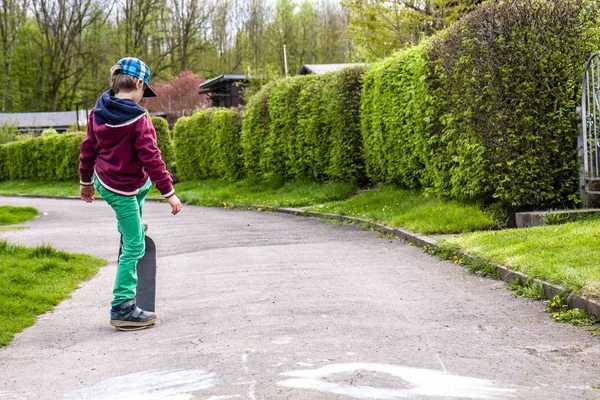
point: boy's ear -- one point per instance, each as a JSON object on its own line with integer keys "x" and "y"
{"x": 139, "y": 84}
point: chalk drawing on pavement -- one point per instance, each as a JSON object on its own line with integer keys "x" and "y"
{"x": 416, "y": 382}
{"x": 282, "y": 340}
{"x": 4, "y": 395}
{"x": 170, "y": 384}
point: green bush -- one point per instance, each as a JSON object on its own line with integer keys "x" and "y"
{"x": 4, "y": 174}
{"x": 226, "y": 144}
{"x": 255, "y": 130}
{"x": 53, "y": 158}
{"x": 8, "y": 133}
{"x": 163, "y": 136}
{"x": 278, "y": 155}
{"x": 306, "y": 127}
{"x": 208, "y": 145}
{"x": 397, "y": 111}
{"x": 308, "y": 150}
{"x": 507, "y": 78}
{"x": 341, "y": 99}
{"x": 186, "y": 135}
{"x": 49, "y": 132}
{"x": 181, "y": 146}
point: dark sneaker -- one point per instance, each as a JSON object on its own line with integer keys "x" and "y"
{"x": 127, "y": 317}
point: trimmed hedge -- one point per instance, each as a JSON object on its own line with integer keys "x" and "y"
{"x": 55, "y": 157}
{"x": 507, "y": 78}
{"x": 164, "y": 142}
{"x": 308, "y": 157}
{"x": 208, "y": 145}
{"x": 341, "y": 99}
{"x": 306, "y": 127}
{"x": 278, "y": 156}
{"x": 255, "y": 130}
{"x": 397, "y": 112}
{"x": 187, "y": 156}
{"x": 48, "y": 158}
{"x": 484, "y": 111}
{"x": 226, "y": 144}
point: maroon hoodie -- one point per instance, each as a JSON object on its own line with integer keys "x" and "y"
{"x": 120, "y": 149}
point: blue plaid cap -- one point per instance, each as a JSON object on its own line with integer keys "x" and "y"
{"x": 138, "y": 69}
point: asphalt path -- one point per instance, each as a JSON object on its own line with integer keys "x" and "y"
{"x": 256, "y": 305}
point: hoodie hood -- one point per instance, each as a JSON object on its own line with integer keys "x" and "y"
{"x": 112, "y": 111}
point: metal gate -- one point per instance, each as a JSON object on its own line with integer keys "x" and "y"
{"x": 589, "y": 140}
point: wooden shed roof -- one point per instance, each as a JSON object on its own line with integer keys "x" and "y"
{"x": 220, "y": 82}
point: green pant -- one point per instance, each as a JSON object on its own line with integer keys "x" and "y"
{"x": 129, "y": 223}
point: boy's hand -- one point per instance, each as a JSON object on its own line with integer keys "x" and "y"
{"x": 175, "y": 204}
{"x": 87, "y": 193}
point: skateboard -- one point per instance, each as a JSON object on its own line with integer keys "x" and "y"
{"x": 146, "y": 272}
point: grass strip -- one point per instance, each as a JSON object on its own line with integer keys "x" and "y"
{"x": 14, "y": 228}
{"x": 35, "y": 280}
{"x": 566, "y": 255}
{"x": 274, "y": 192}
{"x": 48, "y": 188}
{"x": 26, "y": 187}
{"x": 412, "y": 210}
{"x": 388, "y": 205}
{"x": 15, "y": 215}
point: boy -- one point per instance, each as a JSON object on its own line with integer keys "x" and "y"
{"x": 119, "y": 157}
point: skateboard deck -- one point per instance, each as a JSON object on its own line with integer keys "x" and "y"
{"x": 146, "y": 271}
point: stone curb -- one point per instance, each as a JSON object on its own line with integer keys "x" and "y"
{"x": 506, "y": 274}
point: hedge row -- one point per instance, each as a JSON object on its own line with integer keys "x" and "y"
{"x": 484, "y": 111}
{"x": 55, "y": 157}
{"x": 481, "y": 112}
{"x": 507, "y": 79}
{"x": 46, "y": 158}
{"x": 165, "y": 141}
{"x": 397, "y": 115}
{"x": 306, "y": 127}
{"x": 208, "y": 145}
{"x": 255, "y": 130}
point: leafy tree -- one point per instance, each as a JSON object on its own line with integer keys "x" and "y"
{"x": 308, "y": 20}
{"x": 13, "y": 16}
{"x": 77, "y": 41}
{"x": 283, "y": 31}
{"x": 380, "y": 26}
{"x": 253, "y": 34}
{"x": 62, "y": 24}
{"x": 190, "y": 22}
{"x": 332, "y": 36}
